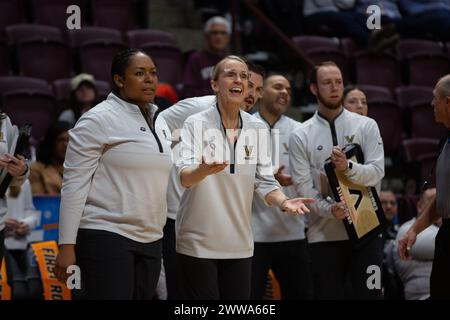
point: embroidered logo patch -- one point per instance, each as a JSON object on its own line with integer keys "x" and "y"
{"x": 248, "y": 152}
{"x": 350, "y": 138}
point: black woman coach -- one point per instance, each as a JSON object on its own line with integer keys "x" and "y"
{"x": 116, "y": 171}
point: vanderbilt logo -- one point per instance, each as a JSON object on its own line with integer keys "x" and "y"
{"x": 286, "y": 148}
{"x": 248, "y": 152}
{"x": 350, "y": 138}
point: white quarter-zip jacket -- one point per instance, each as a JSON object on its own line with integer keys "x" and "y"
{"x": 311, "y": 145}
{"x": 214, "y": 218}
{"x": 175, "y": 117}
{"x": 116, "y": 173}
{"x": 7, "y": 134}
{"x": 270, "y": 224}
{"x": 21, "y": 208}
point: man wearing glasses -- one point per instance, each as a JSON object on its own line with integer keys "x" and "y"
{"x": 197, "y": 73}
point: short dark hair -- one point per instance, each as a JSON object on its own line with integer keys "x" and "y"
{"x": 121, "y": 61}
{"x": 313, "y": 74}
{"x": 350, "y": 88}
{"x": 256, "y": 68}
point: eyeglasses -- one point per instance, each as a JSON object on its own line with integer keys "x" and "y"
{"x": 233, "y": 74}
{"x": 218, "y": 33}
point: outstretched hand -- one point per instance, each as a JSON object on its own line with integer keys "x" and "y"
{"x": 296, "y": 205}
{"x": 211, "y": 168}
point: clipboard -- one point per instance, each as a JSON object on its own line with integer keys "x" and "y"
{"x": 19, "y": 144}
{"x": 366, "y": 219}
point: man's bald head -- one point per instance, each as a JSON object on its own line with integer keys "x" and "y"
{"x": 441, "y": 101}
{"x": 444, "y": 85}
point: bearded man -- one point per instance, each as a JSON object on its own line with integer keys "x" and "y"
{"x": 339, "y": 270}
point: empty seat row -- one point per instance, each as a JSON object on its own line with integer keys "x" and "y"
{"x": 414, "y": 62}
{"x": 123, "y": 15}
{"x": 31, "y": 100}
{"x": 87, "y": 50}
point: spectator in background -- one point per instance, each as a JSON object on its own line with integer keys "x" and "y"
{"x": 21, "y": 218}
{"x": 415, "y": 273}
{"x": 165, "y": 96}
{"x": 46, "y": 173}
{"x": 337, "y": 17}
{"x": 392, "y": 286}
{"x": 420, "y": 18}
{"x": 83, "y": 96}
{"x": 425, "y": 17}
{"x": 390, "y": 208}
{"x": 198, "y": 70}
{"x": 355, "y": 100}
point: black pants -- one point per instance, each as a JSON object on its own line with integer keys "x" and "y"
{"x": 341, "y": 272}
{"x": 23, "y": 274}
{"x": 174, "y": 275}
{"x": 289, "y": 261}
{"x": 440, "y": 273}
{"x": 214, "y": 279}
{"x": 114, "y": 267}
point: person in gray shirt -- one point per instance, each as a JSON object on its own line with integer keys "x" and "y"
{"x": 440, "y": 206}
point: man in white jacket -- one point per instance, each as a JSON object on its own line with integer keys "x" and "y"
{"x": 332, "y": 127}
{"x": 280, "y": 242}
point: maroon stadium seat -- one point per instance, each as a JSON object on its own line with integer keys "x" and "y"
{"x": 406, "y": 95}
{"x": 4, "y": 61}
{"x": 54, "y": 12}
{"x": 379, "y": 70}
{"x": 30, "y": 106}
{"x": 89, "y": 34}
{"x": 389, "y": 119}
{"x": 425, "y": 69}
{"x": 54, "y": 59}
{"x": 168, "y": 60}
{"x": 117, "y": 14}
{"x": 14, "y": 83}
{"x": 350, "y": 48}
{"x": 408, "y": 47}
{"x": 320, "y": 49}
{"x": 423, "y": 124}
{"x": 377, "y": 93}
{"x": 22, "y": 32}
{"x": 96, "y": 57}
{"x": 137, "y": 37}
{"x": 11, "y": 12}
{"x": 414, "y": 148}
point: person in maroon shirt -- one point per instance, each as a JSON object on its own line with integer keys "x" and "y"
{"x": 197, "y": 73}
